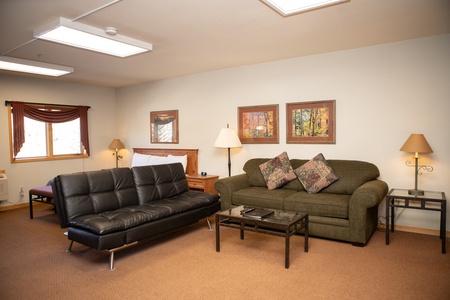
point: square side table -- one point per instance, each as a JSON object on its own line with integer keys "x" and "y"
{"x": 424, "y": 202}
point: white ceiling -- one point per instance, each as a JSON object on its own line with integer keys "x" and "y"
{"x": 194, "y": 36}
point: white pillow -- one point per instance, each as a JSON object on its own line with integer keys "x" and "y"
{"x": 151, "y": 160}
{"x": 180, "y": 159}
{"x": 158, "y": 160}
{"x": 139, "y": 160}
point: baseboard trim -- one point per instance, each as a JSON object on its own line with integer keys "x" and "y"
{"x": 419, "y": 230}
{"x": 14, "y": 206}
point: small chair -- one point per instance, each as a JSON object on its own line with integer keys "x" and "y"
{"x": 43, "y": 194}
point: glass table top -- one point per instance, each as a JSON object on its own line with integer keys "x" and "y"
{"x": 403, "y": 193}
{"x": 279, "y": 216}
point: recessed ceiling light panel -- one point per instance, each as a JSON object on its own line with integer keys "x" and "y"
{"x": 290, "y": 7}
{"x": 30, "y": 66}
{"x": 87, "y": 37}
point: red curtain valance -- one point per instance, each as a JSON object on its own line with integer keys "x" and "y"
{"x": 63, "y": 114}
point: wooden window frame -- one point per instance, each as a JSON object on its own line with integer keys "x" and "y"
{"x": 49, "y": 140}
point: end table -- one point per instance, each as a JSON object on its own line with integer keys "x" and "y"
{"x": 202, "y": 183}
{"x": 404, "y": 200}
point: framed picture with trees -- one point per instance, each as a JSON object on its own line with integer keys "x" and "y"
{"x": 311, "y": 122}
{"x": 258, "y": 124}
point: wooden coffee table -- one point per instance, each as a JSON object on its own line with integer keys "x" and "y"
{"x": 280, "y": 223}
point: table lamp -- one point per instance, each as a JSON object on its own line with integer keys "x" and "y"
{"x": 116, "y": 144}
{"x": 417, "y": 143}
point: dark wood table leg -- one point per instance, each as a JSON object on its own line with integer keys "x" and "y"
{"x": 217, "y": 234}
{"x": 306, "y": 233}
{"x": 286, "y": 258}
{"x": 393, "y": 214}
{"x": 30, "y": 197}
{"x": 387, "y": 221}
{"x": 443, "y": 225}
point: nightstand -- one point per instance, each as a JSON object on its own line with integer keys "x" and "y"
{"x": 429, "y": 201}
{"x": 202, "y": 183}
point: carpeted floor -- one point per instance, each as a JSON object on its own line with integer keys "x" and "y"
{"x": 185, "y": 265}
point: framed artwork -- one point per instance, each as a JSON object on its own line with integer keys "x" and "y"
{"x": 164, "y": 127}
{"x": 258, "y": 124}
{"x": 311, "y": 122}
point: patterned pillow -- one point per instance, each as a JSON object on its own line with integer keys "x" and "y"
{"x": 277, "y": 171}
{"x": 316, "y": 174}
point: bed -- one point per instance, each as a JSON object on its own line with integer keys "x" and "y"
{"x": 204, "y": 183}
{"x": 192, "y": 156}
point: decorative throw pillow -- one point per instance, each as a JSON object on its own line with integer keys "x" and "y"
{"x": 316, "y": 174}
{"x": 277, "y": 171}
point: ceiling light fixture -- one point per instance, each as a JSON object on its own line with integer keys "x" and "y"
{"x": 290, "y": 7}
{"x": 91, "y": 38}
{"x": 30, "y": 66}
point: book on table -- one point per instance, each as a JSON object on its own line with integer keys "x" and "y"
{"x": 257, "y": 213}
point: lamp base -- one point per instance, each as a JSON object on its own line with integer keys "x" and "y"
{"x": 416, "y": 192}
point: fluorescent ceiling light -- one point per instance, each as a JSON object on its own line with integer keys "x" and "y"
{"x": 35, "y": 67}
{"x": 87, "y": 37}
{"x": 290, "y": 7}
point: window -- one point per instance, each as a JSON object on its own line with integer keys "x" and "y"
{"x": 47, "y": 132}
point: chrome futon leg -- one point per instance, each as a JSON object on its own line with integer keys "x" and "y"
{"x": 69, "y": 249}
{"x": 209, "y": 224}
{"x": 111, "y": 261}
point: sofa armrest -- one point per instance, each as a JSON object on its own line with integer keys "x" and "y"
{"x": 369, "y": 194}
{"x": 227, "y": 186}
{"x": 363, "y": 210}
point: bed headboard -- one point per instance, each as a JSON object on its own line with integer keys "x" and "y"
{"x": 192, "y": 156}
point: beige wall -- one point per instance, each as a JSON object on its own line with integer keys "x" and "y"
{"x": 383, "y": 94}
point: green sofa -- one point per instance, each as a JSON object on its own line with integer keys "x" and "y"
{"x": 346, "y": 210}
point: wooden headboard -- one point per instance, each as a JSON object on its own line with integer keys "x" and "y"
{"x": 192, "y": 156}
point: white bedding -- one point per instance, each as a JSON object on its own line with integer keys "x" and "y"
{"x": 149, "y": 160}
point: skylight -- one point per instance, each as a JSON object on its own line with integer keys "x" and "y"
{"x": 290, "y": 7}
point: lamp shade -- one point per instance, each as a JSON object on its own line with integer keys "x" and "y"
{"x": 116, "y": 144}
{"x": 416, "y": 143}
{"x": 227, "y": 139}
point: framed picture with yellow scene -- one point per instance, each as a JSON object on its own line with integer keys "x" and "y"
{"x": 311, "y": 122}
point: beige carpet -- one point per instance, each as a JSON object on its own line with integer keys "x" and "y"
{"x": 185, "y": 265}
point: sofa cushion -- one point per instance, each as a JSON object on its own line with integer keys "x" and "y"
{"x": 296, "y": 163}
{"x": 295, "y": 185}
{"x": 159, "y": 181}
{"x": 277, "y": 171}
{"x": 132, "y": 216}
{"x": 320, "y": 204}
{"x": 261, "y": 197}
{"x": 251, "y": 168}
{"x": 316, "y": 174}
{"x": 93, "y": 192}
{"x": 352, "y": 174}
